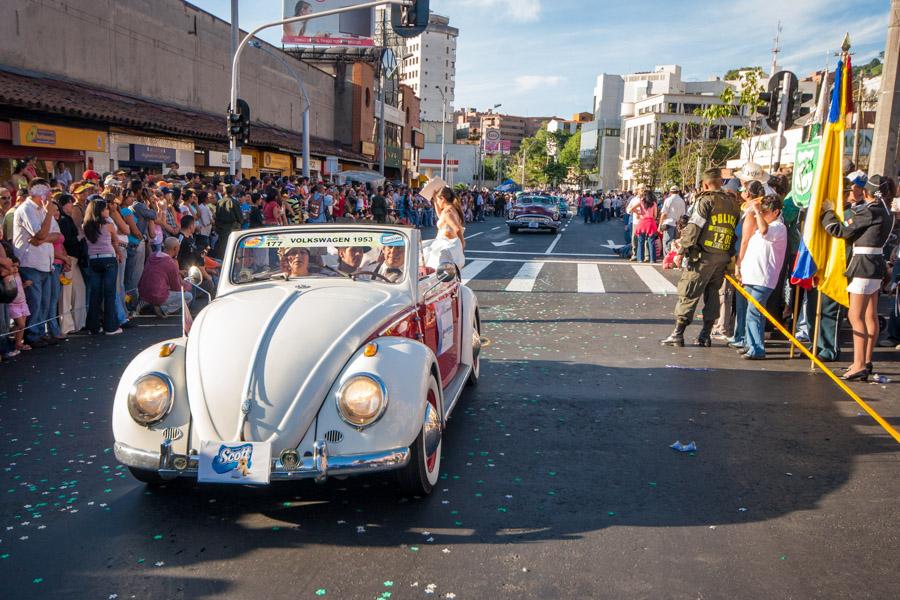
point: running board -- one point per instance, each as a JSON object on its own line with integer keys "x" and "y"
{"x": 454, "y": 391}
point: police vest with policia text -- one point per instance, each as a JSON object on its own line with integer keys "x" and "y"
{"x": 717, "y": 231}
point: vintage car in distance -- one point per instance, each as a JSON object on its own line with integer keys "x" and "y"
{"x": 328, "y": 351}
{"x": 534, "y": 212}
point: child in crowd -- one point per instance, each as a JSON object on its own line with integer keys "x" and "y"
{"x": 18, "y": 309}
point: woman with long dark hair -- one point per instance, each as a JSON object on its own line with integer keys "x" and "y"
{"x": 103, "y": 265}
{"x": 646, "y": 229}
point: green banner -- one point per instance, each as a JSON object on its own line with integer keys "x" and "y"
{"x": 805, "y": 161}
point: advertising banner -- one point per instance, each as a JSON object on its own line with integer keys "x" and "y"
{"x": 353, "y": 28}
{"x": 805, "y": 161}
{"x": 39, "y": 135}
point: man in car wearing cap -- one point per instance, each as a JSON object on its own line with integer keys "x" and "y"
{"x": 707, "y": 247}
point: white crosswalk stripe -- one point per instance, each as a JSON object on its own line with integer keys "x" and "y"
{"x": 589, "y": 280}
{"x": 524, "y": 280}
{"x": 471, "y": 270}
{"x": 654, "y": 280}
{"x": 589, "y": 276}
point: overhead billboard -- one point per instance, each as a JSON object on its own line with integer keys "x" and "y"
{"x": 353, "y": 28}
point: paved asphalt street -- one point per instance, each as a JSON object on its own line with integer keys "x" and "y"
{"x": 557, "y": 477}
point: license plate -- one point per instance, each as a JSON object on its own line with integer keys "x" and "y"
{"x": 234, "y": 462}
{"x": 533, "y": 225}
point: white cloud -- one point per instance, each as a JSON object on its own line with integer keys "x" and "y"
{"x": 529, "y": 83}
{"x": 523, "y": 11}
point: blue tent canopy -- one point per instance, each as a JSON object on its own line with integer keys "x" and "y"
{"x": 508, "y": 186}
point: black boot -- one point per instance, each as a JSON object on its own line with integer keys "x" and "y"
{"x": 676, "y": 338}
{"x": 704, "y": 338}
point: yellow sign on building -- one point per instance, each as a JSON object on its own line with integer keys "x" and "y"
{"x": 276, "y": 162}
{"x": 39, "y": 135}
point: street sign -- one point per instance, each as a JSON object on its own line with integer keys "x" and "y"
{"x": 388, "y": 63}
{"x": 552, "y": 147}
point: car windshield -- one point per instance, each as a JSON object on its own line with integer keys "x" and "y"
{"x": 354, "y": 254}
{"x": 531, "y": 200}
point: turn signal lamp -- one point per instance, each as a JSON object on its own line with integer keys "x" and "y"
{"x": 370, "y": 350}
{"x": 166, "y": 350}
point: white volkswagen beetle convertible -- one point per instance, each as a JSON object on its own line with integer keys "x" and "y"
{"x": 328, "y": 351}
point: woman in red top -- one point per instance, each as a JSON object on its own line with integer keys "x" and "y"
{"x": 646, "y": 230}
{"x": 273, "y": 215}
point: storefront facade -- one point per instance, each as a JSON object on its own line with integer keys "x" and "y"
{"x": 134, "y": 151}
{"x": 49, "y": 144}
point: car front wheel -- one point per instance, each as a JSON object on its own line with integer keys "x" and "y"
{"x": 420, "y": 475}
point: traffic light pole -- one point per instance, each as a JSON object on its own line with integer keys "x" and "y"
{"x": 783, "y": 102}
{"x": 233, "y": 154}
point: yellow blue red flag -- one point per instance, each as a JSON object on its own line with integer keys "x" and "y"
{"x": 822, "y": 259}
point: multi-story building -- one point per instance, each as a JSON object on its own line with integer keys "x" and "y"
{"x": 600, "y": 137}
{"x": 660, "y": 100}
{"x": 429, "y": 64}
{"x": 512, "y": 128}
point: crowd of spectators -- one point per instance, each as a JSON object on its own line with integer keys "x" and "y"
{"x": 769, "y": 234}
{"x": 84, "y": 256}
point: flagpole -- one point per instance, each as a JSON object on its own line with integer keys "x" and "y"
{"x": 796, "y": 315}
{"x": 815, "y": 348}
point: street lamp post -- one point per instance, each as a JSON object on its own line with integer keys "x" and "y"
{"x": 295, "y": 75}
{"x": 233, "y": 157}
{"x": 443, "y": 131}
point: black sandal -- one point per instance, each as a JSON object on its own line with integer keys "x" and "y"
{"x": 861, "y": 375}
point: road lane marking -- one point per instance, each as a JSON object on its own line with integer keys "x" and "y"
{"x": 589, "y": 280}
{"x": 538, "y": 253}
{"x": 654, "y": 280}
{"x": 506, "y": 242}
{"x": 495, "y": 228}
{"x": 525, "y": 279}
{"x": 553, "y": 245}
{"x": 468, "y": 237}
{"x": 471, "y": 270}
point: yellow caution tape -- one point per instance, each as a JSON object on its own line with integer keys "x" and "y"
{"x": 878, "y": 419}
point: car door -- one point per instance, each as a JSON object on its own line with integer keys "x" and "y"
{"x": 440, "y": 313}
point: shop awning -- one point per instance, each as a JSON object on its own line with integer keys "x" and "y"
{"x": 63, "y": 98}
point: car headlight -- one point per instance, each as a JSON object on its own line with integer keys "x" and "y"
{"x": 151, "y": 398}
{"x": 362, "y": 399}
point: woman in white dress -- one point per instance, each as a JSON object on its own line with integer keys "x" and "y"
{"x": 450, "y": 241}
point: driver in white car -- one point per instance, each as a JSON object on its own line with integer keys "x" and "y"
{"x": 393, "y": 261}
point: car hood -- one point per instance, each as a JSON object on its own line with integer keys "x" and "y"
{"x": 284, "y": 343}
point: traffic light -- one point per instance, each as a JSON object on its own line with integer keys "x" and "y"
{"x": 239, "y": 123}
{"x": 410, "y": 21}
{"x": 769, "y": 108}
{"x": 796, "y": 108}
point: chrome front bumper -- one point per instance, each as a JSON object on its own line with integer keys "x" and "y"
{"x": 319, "y": 466}
{"x": 548, "y": 224}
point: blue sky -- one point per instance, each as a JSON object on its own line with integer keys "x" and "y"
{"x": 541, "y": 57}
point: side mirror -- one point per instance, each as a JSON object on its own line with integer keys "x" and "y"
{"x": 195, "y": 276}
{"x": 447, "y": 272}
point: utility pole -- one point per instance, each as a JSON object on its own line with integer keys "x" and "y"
{"x": 235, "y": 34}
{"x": 885, "y": 154}
{"x": 783, "y": 117}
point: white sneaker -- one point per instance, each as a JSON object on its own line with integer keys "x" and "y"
{"x": 116, "y": 332}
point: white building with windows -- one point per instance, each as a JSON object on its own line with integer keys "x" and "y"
{"x": 600, "y": 138}
{"x": 429, "y": 63}
{"x": 659, "y": 99}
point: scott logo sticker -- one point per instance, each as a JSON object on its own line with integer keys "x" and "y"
{"x": 235, "y": 459}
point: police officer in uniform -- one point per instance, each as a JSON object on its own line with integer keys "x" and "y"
{"x": 867, "y": 229}
{"x": 707, "y": 247}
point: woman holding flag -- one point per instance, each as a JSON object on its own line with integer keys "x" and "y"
{"x": 867, "y": 228}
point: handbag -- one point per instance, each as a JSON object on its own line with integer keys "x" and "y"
{"x": 8, "y": 289}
